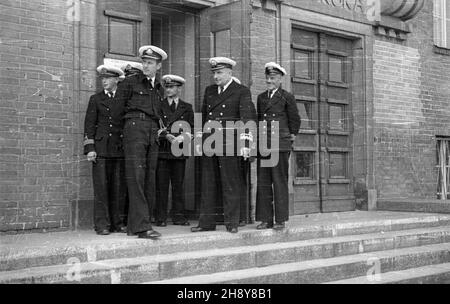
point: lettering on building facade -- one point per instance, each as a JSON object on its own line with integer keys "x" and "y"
{"x": 370, "y": 8}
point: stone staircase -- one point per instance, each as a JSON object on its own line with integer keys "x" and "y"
{"x": 396, "y": 249}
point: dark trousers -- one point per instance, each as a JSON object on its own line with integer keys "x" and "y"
{"x": 221, "y": 180}
{"x": 141, "y": 157}
{"x": 273, "y": 191}
{"x": 170, "y": 170}
{"x": 109, "y": 193}
{"x": 244, "y": 215}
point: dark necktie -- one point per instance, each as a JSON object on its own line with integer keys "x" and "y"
{"x": 220, "y": 90}
{"x": 270, "y": 94}
{"x": 150, "y": 84}
{"x": 173, "y": 106}
{"x": 110, "y": 94}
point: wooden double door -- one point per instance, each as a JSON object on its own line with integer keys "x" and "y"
{"x": 322, "y": 162}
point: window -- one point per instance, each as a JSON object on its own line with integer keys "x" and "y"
{"x": 305, "y": 112}
{"x": 303, "y": 64}
{"x": 337, "y": 119}
{"x": 442, "y": 23}
{"x": 122, "y": 37}
{"x": 221, "y": 43}
{"x": 336, "y": 69}
{"x": 338, "y": 165}
{"x": 443, "y": 160}
{"x": 305, "y": 165}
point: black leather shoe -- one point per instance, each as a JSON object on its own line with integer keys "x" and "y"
{"x": 232, "y": 229}
{"x": 161, "y": 224}
{"x": 201, "y": 229}
{"x": 149, "y": 234}
{"x": 122, "y": 229}
{"x": 264, "y": 225}
{"x": 279, "y": 226}
{"x": 242, "y": 224}
{"x": 182, "y": 223}
{"x": 103, "y": 232}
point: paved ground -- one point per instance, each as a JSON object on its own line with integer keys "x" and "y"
{"x": 87, "y": 238}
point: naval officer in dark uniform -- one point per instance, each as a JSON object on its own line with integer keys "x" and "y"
{"x": 222, "y": 177}
{"x": 103, "y": 126}
{"x": 275, "y": 105}
{"x": 171, "y": 168}
{"x": 144, "y": 95}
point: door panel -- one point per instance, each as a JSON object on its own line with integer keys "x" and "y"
{"x": 322, "y": 84}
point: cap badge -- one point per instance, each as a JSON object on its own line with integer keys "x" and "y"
{"x": 149, "y": 51}
{"x": 104, "y": 70}
{"x": 213, "y": 62}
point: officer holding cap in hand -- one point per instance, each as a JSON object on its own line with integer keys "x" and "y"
{"x": 103, "y": 145}
{"x": 144, "y": 95}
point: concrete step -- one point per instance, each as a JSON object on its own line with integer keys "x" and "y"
{"x": 167, "y": 266}
{"x": 115, "y": 247}
{"x": 326, "y": 270}
{"x": 414, "y": 205}
{"x": 432, "y": 274}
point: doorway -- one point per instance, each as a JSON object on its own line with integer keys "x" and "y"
{"x": 322, "y": 161}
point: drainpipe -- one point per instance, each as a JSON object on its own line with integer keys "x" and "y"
{"x": 278, "y": 49}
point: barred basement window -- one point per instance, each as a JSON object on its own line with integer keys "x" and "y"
{"x": 441, "y": 13}
{"x": 443, "y": 159}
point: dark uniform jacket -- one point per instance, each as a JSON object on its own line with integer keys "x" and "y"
{"x": 234, "y": 104}
{"x": 103, "y": 125}
{"x": 139, "y": 100}
{"x": 282, "y": 108}
{"x": 183, "y": 112}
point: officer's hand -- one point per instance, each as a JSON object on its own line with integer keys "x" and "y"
{"x": 179, "y": 138}
{"x": 92, "y": 156}
{"x": 293, "y": 137}
{"x": 245, "y": 152}
{"x": 199, "y": 134}
{"x": 170, "y": 137}
{"x": 160, "y": 131}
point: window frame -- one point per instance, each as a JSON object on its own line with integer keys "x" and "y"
{"x": 440, "y": 24}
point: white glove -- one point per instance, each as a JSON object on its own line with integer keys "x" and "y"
{"x": 179, "y": 139}
{"x": 160, "y": 131}
{"x": 91, "y": 156}
{"x": 245, "y": 152}
{"x": 170, "y": 137}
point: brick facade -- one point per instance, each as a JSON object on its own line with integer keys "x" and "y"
{"x": 411, "y": 90}
{"x": 36, "y": 127}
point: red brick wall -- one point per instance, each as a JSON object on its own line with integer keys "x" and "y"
{"x": 36, "y": 68}
{"x": 412, "y": 106}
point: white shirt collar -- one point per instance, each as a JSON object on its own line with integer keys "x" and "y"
{"x": 273, "y": 92}
{"x": 113, "y": 92}
{"x": 170, "y": 99}
{"x": 226, "y": 86}
{"x": 152, "y": 80}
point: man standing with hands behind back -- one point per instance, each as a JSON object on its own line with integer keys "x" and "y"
{"x": 275, "y": 105}
{"x": 143, "y": 94}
